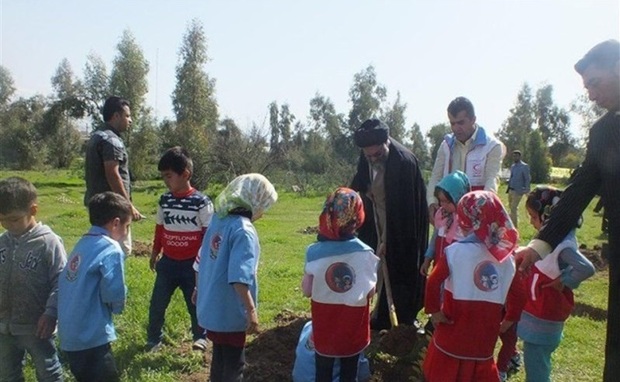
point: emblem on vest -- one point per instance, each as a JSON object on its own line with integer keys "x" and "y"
{"x": 486, "y": 277}
{"x": 214, "y": 246}
{"x": 73, "y": 266}
{"x": 340, "y": 277}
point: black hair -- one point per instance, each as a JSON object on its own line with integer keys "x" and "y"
{"x": 176, "y": 159}
{"x": 113, "y": 105}
{"x": 16, "y": 194}
{"x": 446, "y": 194}
{"x": 107, "y": 206}
{"x": 605, "y": 55}
{"x": 459, "y": 104}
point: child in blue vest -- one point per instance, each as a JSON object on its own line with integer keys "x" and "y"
{"x": 227, "y": 287}
{"x": 92, "y": 287}
{"x": 549, "y": 289}
{"x": 340, "y": 277}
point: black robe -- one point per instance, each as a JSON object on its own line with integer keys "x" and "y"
{"x": 406, "y": 232}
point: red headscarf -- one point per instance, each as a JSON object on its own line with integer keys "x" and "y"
{"x": 343, "y": 213}
{"x": 483, "y": 213}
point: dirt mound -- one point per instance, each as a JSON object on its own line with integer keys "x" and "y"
{"x": 271, "y": 355}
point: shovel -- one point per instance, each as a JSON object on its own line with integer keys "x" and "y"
{"x": 388, "y": 294}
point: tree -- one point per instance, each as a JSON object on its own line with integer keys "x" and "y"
{"x": 395, "y": 119}
{"x": 129, "y": 71}
{"x": 59, "y": 127}
{"x": 553, "y": 123}
{"x": 286, "y": 121}
{"x": 367, "y": 96}
{"x": 435, "y": 136}
{"x": 328, "y": 124}
{"x": 516, "y": 129}
{"x": 7, "y": 86}
{"x": 193, "y": 98}
{"x": 538, "y": 158}
{"x": 193, "y": 101}
{"x": 589, "y": 112}
{"x": 21, "y": 145}
{"x": 419, "y": 147}
{"x": 274, "y": 142}
{"x": 96, "y": 85}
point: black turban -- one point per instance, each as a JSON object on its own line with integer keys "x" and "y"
{"x": 371, "y": 133}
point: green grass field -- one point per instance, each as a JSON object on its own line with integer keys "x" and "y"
{"x": 283, "y": 241}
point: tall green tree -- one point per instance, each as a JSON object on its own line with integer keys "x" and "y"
{"x": 367, "y": 97}
{"x": 419, "y": 147}
{"x": 21, "y": 144}
{"x": 274, "y": 125}
{"x": 96, "y": 88}
{"x": 435, "y": 136}
{"x": 394, "y": 117}
{"x": 517, "y": 128}
{"x": 193, "y": 98}
{"x": 7, "y": 86}
{"x": 588, "y": 111}
{"x": 59, "y": 125}
{"x": 287, "y": 119}
{"x": 554, "y": 125}
{"x": 128, "y": 78}
{"x": 539, "y": 161}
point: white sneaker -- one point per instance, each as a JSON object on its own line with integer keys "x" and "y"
{"x": 200, "y": 344}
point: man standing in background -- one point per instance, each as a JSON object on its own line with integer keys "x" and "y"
{"x": 518, "y": 185}
{"x": 107, "y": 162}
{"x": 470, "y": 148}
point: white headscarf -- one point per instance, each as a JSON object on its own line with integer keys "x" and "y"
{"x": 252, "y": 192}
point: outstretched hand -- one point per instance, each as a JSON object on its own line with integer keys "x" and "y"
{"x": 525, "y": 257}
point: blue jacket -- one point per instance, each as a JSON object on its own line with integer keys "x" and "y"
{"x": 90, "y": 289}
{"x": 519, "y": 177}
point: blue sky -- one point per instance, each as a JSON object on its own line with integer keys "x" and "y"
{"x": 287, "y": 51}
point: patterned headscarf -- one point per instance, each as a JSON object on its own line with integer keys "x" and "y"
{"x": 483, "y": 213}
{"x": 542, "y": 199}
{"x": 252, "y": 192}
{"x": 343, "y": 213}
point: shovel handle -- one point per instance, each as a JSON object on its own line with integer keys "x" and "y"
{"x": 388, "y": 294}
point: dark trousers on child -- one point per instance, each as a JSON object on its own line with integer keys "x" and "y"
{"x": 172, "y": 274}
{"x": 227, "y": 363}
{"x": 325, "y": 368}
{"x": 93, "y": 365}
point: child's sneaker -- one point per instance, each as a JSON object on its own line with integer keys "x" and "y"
{"x": 503, "y": 376}
{"x": 200, "y": 344}
{"x": 515, "y": 363}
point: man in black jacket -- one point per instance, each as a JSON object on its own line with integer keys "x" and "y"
{"x": 390, "y": 181}
{"x": 600, "y": 70}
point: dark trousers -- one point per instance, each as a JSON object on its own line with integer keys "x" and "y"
{"x": 227, "y": 363}
{"x": 172, "y": 274}
{"x": 612, "y": 345}
{"x": 93, "y": 365}
{"x": 325, "y": 368}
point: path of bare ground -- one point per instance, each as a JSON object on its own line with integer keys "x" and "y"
{"x": 395, "y": 355}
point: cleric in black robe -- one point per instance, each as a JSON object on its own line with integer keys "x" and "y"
{"x": 390, "y": 181}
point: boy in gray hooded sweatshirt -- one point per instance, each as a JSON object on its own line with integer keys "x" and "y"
{"x": 31, "y": 258}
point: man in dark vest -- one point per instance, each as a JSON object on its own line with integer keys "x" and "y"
{"x": 390, "y": 181}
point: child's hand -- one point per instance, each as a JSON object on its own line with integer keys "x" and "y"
{"x": 505, "y": 325}
{"x": 252, "y": 327}
{"x": 555, "y": 284}
{"x": 425, "y": 266}
{"x": 45, "y": 326}
{"x": 194, "y": 296}
{"x": 153, "y": 261}
{"x": 440, "y": 318}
